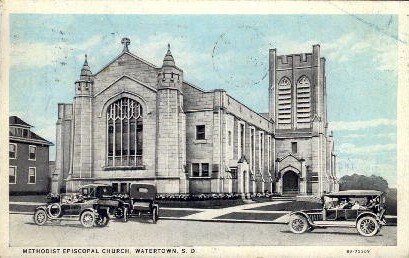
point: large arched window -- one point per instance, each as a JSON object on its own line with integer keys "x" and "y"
{"x": 124, "y": 133}
{"x": 303, "y": 100}
{"x": 284, "y": 101}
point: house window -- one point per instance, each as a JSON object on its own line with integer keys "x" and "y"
{"x": 124, "y": 133}
{"x": 200, "y": 132}
{"x": 12, "y": 150}
{"x": 229, "y": 138}
{"x": 294, "y": 147}
{"x": 195, "y": 169}
{"x": 25, "y": 133}
{"x": 200, "y": 169}
{"x": 32, "y": 152}
{"x": 12, "y": 175}
{"x": 31, "y": 175}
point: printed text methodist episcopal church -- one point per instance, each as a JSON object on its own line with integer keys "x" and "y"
{"x": 136, "y": 122}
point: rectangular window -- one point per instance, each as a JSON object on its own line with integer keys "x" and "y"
{"x": 12, "y": 150}
{"x": 200, "y": 132}
{"x": 233, "y": 172}
{"x": 32, "y": 152}
{"x": 25, "y": 133}
{"x": 205, "y": 169}
{"x": 229, "y": 138}
{"x": 31, "y": 175}
{"x": 12, "y": 175}
{"x": 294, "y": 147}
{"x": 195, "y": 169}
{"x": 261, "y": 151}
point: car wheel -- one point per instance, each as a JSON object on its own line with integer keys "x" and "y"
{"x": 87, "y": 219}
{"x": 40, "y": 217}
{"x": 154, "y": 215}
{"x": 367, "y": 226}
{"x": 298, "y": 224}
{"x": 102, "y": 220}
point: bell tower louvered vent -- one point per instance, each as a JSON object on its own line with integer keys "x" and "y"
{"x": 284, "y": 101}
{"x": 303, "y": 101}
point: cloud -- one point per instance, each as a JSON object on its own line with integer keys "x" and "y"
{"x": 352, "y": 149}
{"x": 347, "y": 47}
{"x": 41, "y": 54}
{"x": 368, "y": 167}
{"x": 358, "y": 125}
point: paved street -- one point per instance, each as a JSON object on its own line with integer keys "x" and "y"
{"x": 180, "y": 232}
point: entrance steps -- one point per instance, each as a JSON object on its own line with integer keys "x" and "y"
{"x": 283, "y": 198}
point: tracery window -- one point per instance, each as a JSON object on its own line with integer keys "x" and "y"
{"x": 284, "y": 101}
{"x": 303, "y": 100}
{"x": 124, "y": 133}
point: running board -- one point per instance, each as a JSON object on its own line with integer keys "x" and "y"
{"x": 345, "y": 224}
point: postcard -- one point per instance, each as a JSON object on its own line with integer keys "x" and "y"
{"x": 204, "y": 129}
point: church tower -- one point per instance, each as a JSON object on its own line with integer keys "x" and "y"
{"x": 298, "y": 105}
{"x": 171, "y": 138}
{"x": 82, "y": 117}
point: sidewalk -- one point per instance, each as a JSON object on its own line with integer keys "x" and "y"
{"x": 240, "y": 213}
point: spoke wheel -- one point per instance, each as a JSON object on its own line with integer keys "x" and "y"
{"x": 40, "y": 217}
{"x": 367, "y": 226}
{"x": 87, "y": 219}
{"x": 298, "y": 224}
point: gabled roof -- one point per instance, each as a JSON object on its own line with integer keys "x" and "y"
{"x": 130, "y": 54}
{"x": 32, "y": 138}
{"x": 15, "y": 120}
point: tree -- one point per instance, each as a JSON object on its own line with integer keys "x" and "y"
{"x": 361, "y": 182}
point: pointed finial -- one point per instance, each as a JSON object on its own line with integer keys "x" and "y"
{"x": 168, "y": 47}
{"x": 126, "y": 42}
{"x": 86, "y": 60}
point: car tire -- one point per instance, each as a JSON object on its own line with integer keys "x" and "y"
{"x": 87, "y": 219}
{"x": 119, "y": 213}
{"x": 367, "y": 226}
{"x": 154, "y": 215}
{"x": 40, "y": 217}
{"x": 298, "y": 224}
{"x": 102, "y": 220}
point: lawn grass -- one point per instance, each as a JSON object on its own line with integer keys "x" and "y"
{"x": 250, "y": 216}
{"x": 205, "y": 204}
{"x": 290, "y": 206}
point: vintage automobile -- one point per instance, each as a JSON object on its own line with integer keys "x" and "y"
{"x": 140, "y": 203}
{"x": 360, "y": 209}
{"x": 92, "y": 205}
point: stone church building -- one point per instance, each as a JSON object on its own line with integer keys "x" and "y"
{"x": 133, "y": 121}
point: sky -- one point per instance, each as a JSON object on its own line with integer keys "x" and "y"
{"x": 228, "y": 52}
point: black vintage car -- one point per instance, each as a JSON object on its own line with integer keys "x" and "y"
{"x": 139, "y": 203}
{"x": 92, "y": 205}
{"x": 360, "y": 209}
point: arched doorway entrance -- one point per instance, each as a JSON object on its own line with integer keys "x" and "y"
{"x": 291, "y": 184}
